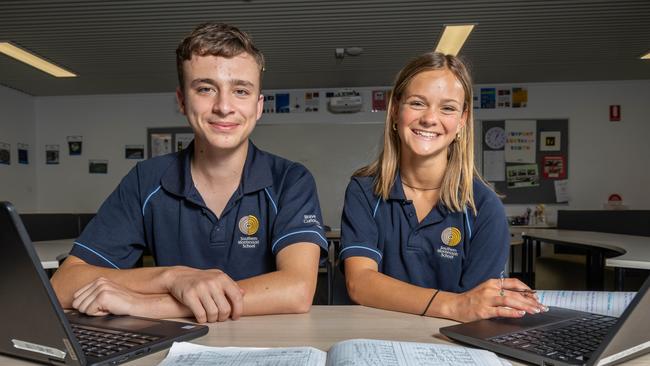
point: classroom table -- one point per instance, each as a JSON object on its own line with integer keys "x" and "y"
{"x": 629, "y": 251}
{"x": 50, "y": 252}
{"x": 323, "y": 326}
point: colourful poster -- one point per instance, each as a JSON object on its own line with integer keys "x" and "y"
{"x": 519, "y": 97}
{"x": 488, "y": 98}
{"x": 282, "y": 103}
{"x": 504, "y": 99}
{"x": 520, "y": 141}
{"x": 379, "y": 100}
{"x": 554, "y": 167}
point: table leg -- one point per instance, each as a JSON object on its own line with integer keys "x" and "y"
{"x": 595, "y": 269}
{"x": 619, "y": 278}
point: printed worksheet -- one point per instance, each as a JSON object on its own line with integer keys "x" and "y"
{"x": 599, "y": 302}
{"x": 189, "y": 354}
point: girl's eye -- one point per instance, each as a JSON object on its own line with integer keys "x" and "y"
{"x": 416, "y": 104}
{"x": 449, "y": 109}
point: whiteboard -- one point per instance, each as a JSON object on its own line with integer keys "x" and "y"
{"x": 332, "y": 152}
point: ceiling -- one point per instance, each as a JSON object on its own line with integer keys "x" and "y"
{"x": 127, "y": 46}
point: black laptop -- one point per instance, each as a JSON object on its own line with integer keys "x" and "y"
{"x": 564, "y": 337}
{"x": 34, "y": 326}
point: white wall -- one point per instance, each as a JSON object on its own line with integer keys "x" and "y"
{"x": 106, "y": 123}
{"x": 17, "y": 125}
{"x": 605, "y": 157}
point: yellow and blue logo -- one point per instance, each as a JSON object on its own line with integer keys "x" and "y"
{"x": 451, "y": 236}
{"x": 249, "y": 225}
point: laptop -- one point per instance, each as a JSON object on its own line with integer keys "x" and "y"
{"x": 35, "y": 327}
{"x": 563, "y": 336}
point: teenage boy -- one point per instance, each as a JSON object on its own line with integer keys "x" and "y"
{"x": 233, "y": 230}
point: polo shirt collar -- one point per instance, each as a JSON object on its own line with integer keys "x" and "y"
{"x": 440, "y": 211}
{"x": 257, "y": 170}
{"x": 178, "y": 176}
{"x": 256, "y": 174}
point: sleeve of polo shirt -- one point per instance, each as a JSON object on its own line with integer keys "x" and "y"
{"x": 114, "y": 238}
{"x": 489, "y": 244}
{"x": 358, "y": 228}
{"x": 298, "y": 212}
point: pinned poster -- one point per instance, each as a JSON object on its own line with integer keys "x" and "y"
{"x": 520, "y": 141}
{"x": 504, "y": 99}
{"x": 494, "y": 166}
{"x": 74, "y": 145}
{"x": 51, "y": 154}
{"x": 554, "y": 167}
{"x": 561, "y": 191}
{"x": 312, "y": 101}
{"x": 269, "y": 104}
{"x": 550, "y": 140}
{"x": 379, "y": 100}
{"x": 519, "y": 97}
{"x": 5, "y": 153}
{"x": 488, "y": 98}
{"x": 522, "y": 176}
{"x": 97, "y": 166}
{"x": 134, "y": 152}
{"x": 282, "y": 103}
{"x": 23, "y": 153}
{"x": 183, "y": 140}
{"x": 161, "y": 144}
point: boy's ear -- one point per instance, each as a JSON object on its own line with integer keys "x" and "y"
{"x": 180, "y": 99}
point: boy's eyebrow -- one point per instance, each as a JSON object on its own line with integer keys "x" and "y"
{"x": 240, "y": 82}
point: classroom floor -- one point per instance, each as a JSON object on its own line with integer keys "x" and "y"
{"x": 568, "y": 271}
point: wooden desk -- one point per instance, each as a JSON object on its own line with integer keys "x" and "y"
{"x": 321, "y": 328}
{"x": 51, "y": 251}
{"x": 631, "y": 251}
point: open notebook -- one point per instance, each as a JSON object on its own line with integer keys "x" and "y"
{"x": 349, "y": 353}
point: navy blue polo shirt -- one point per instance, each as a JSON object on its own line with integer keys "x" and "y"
{"x": 450, "y": 251}
{"x": 157, "y": 206}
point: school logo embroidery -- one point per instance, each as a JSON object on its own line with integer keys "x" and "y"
{"x": 451, "y": 236}
{"x": 248, "y": 225}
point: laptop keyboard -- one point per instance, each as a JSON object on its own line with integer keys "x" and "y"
{"x": 96, "y": 342}
{"x": 572, "y": 340}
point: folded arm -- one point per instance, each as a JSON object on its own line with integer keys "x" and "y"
{"x": 208, "y": 295}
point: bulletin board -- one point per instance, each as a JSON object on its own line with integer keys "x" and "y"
{"x": 526, "y": 159}
{"x": 161, "y": 141}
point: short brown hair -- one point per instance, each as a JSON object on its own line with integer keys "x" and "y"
{"x": 216, "y": 39}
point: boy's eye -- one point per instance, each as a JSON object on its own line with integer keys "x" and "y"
{"x": 204, "y": 89}
{"x": 242, "y": 92}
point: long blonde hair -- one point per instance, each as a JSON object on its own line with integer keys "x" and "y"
{"x": 456, "y": 191}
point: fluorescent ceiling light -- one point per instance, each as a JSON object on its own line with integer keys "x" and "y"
{"x": 453, "y": 38}
{"x": 30, "y": 59}
{"x": 646, "y": 56}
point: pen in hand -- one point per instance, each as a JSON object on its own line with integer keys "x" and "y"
{"x": 502, "y": 290}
